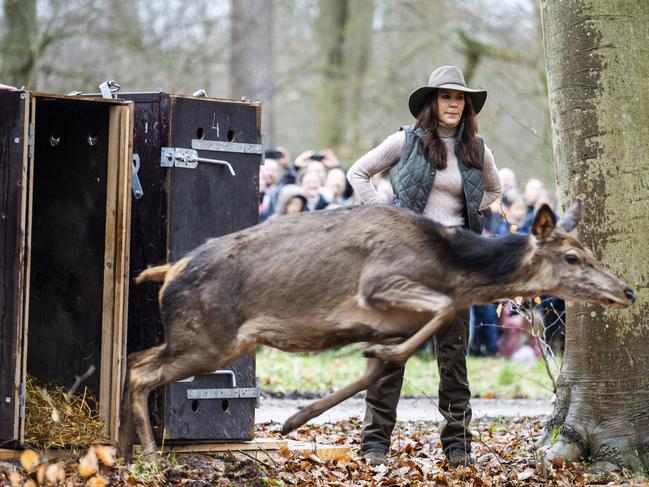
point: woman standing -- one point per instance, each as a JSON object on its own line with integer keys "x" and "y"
{"x": 440, "y": 168}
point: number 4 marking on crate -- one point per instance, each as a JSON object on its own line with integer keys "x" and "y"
{"x": 215, "y": 124}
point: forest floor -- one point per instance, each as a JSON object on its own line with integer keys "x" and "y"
{"x": 502, "y": 448}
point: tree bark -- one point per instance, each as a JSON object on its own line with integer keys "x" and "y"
{"x": 344, "y": 32}
{"x": 252, "y": 61}
{"x": 598, "y": 81}
{"x": 20, "y": 44}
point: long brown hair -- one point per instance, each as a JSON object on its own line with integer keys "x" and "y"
{"x": 433, "y": 147}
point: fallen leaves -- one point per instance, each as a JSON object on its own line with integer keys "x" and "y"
{"x": 501, "y": 449}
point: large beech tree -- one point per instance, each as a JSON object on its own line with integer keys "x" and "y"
{"x": 597, "y": 57}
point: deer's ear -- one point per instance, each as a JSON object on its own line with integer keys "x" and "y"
{"x": 571, "y": 218}
{"x": 544, "y": 222}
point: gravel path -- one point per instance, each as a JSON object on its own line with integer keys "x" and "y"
{"x": 415, "y": 409}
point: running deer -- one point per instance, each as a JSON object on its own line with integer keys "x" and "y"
{"x": 321, "y": 280}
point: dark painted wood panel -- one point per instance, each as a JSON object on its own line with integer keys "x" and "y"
{"x": 209, "y": 202}
{"x": 148, "y": 218}
{"x": 180, "y": 209}
{"x": 12, "y": 125}
{"x": 68, "y": 241}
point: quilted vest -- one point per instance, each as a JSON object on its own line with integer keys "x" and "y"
{"x": 413, "y": 176}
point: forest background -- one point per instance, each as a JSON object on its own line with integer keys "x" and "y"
{"x": 329, "y": 73}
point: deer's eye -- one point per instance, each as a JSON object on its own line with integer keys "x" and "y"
{"x": 571, "y": 259}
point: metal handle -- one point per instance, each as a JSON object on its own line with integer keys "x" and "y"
{"x": 190, "y": 158}
{"x": 174, "y": 156}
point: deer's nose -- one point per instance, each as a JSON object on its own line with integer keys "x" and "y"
{"x": 628, "y": 292}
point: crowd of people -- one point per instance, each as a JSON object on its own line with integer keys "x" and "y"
{"x": 316, "y": 181}
{"x": 505, "y": 329}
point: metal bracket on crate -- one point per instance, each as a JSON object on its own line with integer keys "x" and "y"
{"x": 135, "y": 180}
{"x": 109, "y": 87}
{"x": 233, "y": 392}
{"x": 188, "y": 158}
{"x": 219, "y": 146}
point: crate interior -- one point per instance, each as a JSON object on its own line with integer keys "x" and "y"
{"x": 68, "y": 242}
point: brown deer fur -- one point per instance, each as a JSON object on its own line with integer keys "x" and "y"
{"x": 326, "y": 279}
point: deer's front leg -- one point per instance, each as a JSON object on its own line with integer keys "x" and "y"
{"x": 401, "y": 293}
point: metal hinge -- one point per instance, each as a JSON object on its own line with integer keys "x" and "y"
{"x": 30, "y": 141}
{"x": 21, "y": 400}
{"x": 188, "y": 158}
{"x": 218, "y": 146}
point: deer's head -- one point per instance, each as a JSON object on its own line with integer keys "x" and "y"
{"x": 569, "y": 270}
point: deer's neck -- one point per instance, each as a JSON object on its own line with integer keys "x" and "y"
{"x": 507, "y": 271}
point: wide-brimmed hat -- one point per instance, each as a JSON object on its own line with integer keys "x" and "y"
{"x": 450, "y": 78}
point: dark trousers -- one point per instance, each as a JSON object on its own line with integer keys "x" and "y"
{"x": 454, "y": 395}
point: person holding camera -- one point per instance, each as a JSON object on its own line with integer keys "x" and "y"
{"x": 440, "y": 168}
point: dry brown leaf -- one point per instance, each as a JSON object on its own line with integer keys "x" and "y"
{"x": 55, "y": 473}
{"x": 88, "y": 464}
{"x": 106, "y": 454}
{"x": 29, "y": 460}
{"x": 16, "y": 479}
{"x": 97, "y": 481}
{"x": 40, "y": 474}
{"x": 558, "y": 462}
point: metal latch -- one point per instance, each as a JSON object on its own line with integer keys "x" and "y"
{"x": 135, "y": 180}
{"x": 107, "y": 88}
{"x": 233, "y": 392}
{"x": 178, "y": 157}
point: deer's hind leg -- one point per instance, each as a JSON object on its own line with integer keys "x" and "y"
{"x": 374, "y": 371}
{"x": 149, "y": 369}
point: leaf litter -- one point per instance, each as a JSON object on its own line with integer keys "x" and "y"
{"x": 502, "y": 449}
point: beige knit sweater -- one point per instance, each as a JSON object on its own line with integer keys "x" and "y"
{"x": 446, "y": 201}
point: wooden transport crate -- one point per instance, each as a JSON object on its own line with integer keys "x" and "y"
{"x": 182, "y": 204}
{"x": 65, "y": 223}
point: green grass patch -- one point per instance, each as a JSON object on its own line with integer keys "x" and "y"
{"x": 332, "y": 369}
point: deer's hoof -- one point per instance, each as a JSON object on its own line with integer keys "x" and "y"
{"x": 289, "y": 425}
{"x": 150, "y": 453}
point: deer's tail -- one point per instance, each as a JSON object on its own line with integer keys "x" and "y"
{"x": 157, "y": 273}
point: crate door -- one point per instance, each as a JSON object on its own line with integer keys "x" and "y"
{"x": 14, "y": 179}
{"x": 205, "y": 202}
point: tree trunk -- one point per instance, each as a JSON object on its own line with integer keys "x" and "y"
{"x": 344, "y": 31}
{"x": 252, "y": 61}
{"x": 20, "y": 49}
{"x": 357, "y": 59}
{"x": 598, "y": 81}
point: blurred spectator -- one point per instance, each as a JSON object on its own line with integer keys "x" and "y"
{"x": 290, "y": 201}
{"x": 335, "y": 187}
{"x": 268, "y": 188}
{"x": 515, "y": 213}
{"x": 282, "y": 157}
{"x": 311, "y": 183}
{"x": 533, "y": 188}
{"x": 484, "y": 330}
{"x": 507, "y": 178}
{"x": 515, "y": 333}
